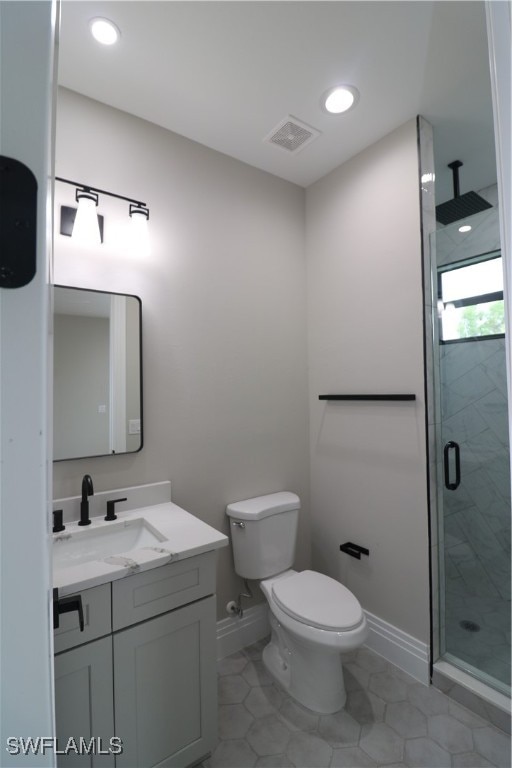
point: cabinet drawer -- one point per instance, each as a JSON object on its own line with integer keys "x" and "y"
{"x": 97, "y": 620}
{"x": 139, "y": 597}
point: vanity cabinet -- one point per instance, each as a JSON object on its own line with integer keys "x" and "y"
{"x": 165, "y": 689}
{"x": 84, "y": 705}
{"x": 151, "y": 679}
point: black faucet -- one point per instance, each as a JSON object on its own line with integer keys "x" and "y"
{"x": 87, "y": 490}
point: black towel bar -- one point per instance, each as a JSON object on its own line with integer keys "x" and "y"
{"x": 367, "y": 397}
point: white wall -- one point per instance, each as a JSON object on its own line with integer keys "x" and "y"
{"x": 223, "y": 315}
{"x": 368, "y": 460}
{"x": 26, "y": 58}
{"x": 81, "y": 360}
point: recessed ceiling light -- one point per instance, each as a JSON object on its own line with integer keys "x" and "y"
{"x": 340, "y": 99}
{"x": 104, "y": 31}
{"x": 465, "y": 228}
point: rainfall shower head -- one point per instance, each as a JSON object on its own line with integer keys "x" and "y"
{"x": 461, "y": 205}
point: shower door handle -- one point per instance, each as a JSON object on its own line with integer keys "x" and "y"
{"x": 451, "y": 444}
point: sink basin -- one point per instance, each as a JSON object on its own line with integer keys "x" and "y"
{"x": 89, "y": 544}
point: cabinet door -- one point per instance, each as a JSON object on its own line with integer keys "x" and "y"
{"x": 84, "y": 705}
{"x": 165, "y": 688}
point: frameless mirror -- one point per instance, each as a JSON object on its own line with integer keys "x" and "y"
{"x": 97, "y": 373}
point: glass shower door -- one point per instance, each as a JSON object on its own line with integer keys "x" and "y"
{"x": 473, "y": 435}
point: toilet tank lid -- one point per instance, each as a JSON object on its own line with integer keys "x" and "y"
{"x": 263, "y": 506}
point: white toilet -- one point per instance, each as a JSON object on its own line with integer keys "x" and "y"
{"x": 313, "y": 617}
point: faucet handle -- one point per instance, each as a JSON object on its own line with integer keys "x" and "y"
{"x": 111, "y": 515}
{"x": 58, "y": 525}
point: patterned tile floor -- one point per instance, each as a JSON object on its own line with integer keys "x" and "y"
{"x": 389, "y": 720}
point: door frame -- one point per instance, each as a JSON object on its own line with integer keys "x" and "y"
{"x": 27, "y": 56}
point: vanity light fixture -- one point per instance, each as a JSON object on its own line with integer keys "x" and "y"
{"x": 86, "y": 225}
{"x": 340, "y": 99}
{"x": 104, "y": 31}
{"x": 86, "y": 228}
{"x": 139, "y": 235}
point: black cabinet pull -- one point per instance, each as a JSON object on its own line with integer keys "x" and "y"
{"x": 354, "y": 550}
{"x": 451, "y": 445}
{"x": 67, "y": 605}
{"x": 111, "y": 506}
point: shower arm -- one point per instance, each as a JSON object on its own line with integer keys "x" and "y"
{"x": 455, "y": 172}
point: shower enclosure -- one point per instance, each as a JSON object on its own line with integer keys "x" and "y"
{"x": 472, "y": 448}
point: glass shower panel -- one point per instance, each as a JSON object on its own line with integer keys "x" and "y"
{"x": 474, "y": 491}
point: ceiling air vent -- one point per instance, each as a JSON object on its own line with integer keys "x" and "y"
{"x": 292, "y": 135}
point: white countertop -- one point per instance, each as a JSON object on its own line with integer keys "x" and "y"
{"x": 185, "y": 534}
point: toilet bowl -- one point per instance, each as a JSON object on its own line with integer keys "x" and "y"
{"x": 313, "y": 618}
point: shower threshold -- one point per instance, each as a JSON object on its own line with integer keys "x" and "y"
{"x": 481, "y": 698}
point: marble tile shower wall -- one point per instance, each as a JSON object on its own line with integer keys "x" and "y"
{"x": 476, "y": 517}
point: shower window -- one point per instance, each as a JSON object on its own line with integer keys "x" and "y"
{"x": 470, "y": 299}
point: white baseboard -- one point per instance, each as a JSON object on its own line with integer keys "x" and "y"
{"x": 234, "y": 633}
{"x": 388, "y": 641}
{"x": 401, "y": 649}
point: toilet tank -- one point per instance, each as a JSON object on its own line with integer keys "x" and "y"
{"x": 264, "y": 533}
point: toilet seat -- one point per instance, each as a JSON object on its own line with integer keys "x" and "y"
{"x": 318, "y": 601}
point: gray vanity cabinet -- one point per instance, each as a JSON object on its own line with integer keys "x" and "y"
{"x": 84, "y": 705}
{"x": 84, "y": 697}
{"x": 150, "y": 680}
{"x": 164, "y": 674}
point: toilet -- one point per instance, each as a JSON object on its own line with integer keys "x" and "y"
{"x": 313, "y": 618}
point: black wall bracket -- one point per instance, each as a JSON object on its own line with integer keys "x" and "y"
{"x": 18, "y": 223}
{"x": 354, "y": 550}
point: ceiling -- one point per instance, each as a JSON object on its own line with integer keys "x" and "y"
{"x": 226, "y": 73}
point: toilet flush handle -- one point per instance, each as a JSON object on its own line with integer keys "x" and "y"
{"x": 237, "y": 524}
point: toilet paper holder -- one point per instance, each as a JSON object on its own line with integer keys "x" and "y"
{"x": 354, "y": 550}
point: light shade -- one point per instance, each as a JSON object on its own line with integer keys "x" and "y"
{"x": 139, "y": 234}
{"x": 104, "y": 31}
{"x": 86, "y": 229}
{"x": 340, "y": 99}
